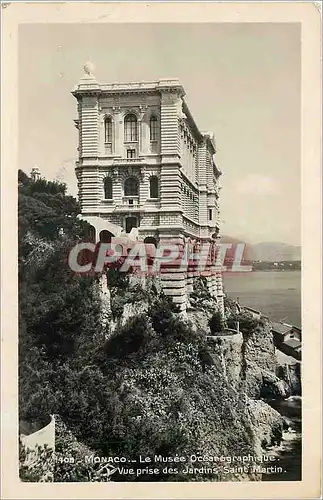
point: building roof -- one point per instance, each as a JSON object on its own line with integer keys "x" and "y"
{"x": 89, "y": 83}
{"x": 281, "y": 328}
{"x": 293, "y": 343}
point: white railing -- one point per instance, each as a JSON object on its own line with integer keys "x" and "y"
{"x": 144, "y": 85}
{"x": 127, "y": 161}
{"x": 130, "y": 202}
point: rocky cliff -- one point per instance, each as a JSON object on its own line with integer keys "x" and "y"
{"x": 205, "y": 391}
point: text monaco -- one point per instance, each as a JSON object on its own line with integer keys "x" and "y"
{"x": 158, "y": 459}
{"x": 150, "y": 260}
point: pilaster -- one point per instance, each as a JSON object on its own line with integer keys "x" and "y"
{"x": 90, "y": 126}
{"x": 143, "y": 131}
{"x": 170, "y": 136}
{"x": 202, "y": 180}
{"x": 118, "y": 132}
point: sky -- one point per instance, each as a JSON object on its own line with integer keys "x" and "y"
{"x": 242, "y": 81}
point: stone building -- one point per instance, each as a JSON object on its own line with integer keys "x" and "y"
{"x": 145, "y": 171}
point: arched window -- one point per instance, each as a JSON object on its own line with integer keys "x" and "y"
{"x": 105, "y": 236}
{"x": 154, "y": 187}
{"x": 108, "y": 129}
{"x": 153, "y": 128}
{"x": 108, "y": 188}
{"x": 150, "y": 240}
{"x": 130, "y": 128}
{"x": 131, "y": 187}
{"x": 91, "y": 234}
{"x": 131, "y": 222}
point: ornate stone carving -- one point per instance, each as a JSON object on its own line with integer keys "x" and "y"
{"x": 153, "y": 173}
{"x": 115, "y": 173}
{"x": 89, "y": 68}
{"x": 125, "y": 172}
{"x": 130, "y": 111}
{"x": 180, "y": 112}
{"x": 142, "y": 111}
{"x": 111, "y": 172}
{"x": 197, "y": 246}
{"x": 169, "y": 97}
{"x": 143, "y": 173}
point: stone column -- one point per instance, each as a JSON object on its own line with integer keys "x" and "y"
{"x": 117, "y": 146}
{"x": 144, "y": 186}
{"x": 190, "y": 268}
{"x": 101, "y": 134}
{"x": 90, "y": 126}
{"x": 143, "y": 131}
{"x": 173, "y": 277}
{"x": 117, "y": 187}
{"x": 203, "y": 215}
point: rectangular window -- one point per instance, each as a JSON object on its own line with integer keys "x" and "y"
{"x": 130, "y": 128}
{"x": 108, "y": 130}
{"x": 153, "y": 128}
{"x": 210, "y": 214}
{"x": 131, "y": 153}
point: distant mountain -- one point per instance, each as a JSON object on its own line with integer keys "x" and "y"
{"x": 247, "y": 254}
{"x": 275, "y": 251}
{"x": 271, "y": 251}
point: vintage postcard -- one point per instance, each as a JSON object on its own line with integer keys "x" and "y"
{"x": 161, "y": 250}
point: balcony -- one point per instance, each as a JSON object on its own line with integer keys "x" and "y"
{"x": 127, "y": 161}
{"x": 129, "y": 203}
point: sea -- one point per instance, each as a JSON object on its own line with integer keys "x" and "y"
{"x": 289, "y": 453}
{"x": 277, "y": 294}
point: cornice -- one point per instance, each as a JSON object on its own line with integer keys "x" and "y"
{"x": 129, "y": 88}
{"x": 191, "y": 123}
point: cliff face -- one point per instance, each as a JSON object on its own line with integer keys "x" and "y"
{"x": 205, "y": 394}
{"x": 215, "y": 382}
{"x": 289, "y": 370}
{"x": 250, "y": 364}
{"x": 259, "y": 365}
{"x": 267, "y": 425}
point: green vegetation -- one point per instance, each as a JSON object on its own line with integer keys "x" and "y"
{"x": 216, "y": 323}
{"x": 200, "y": 296}
{"x": 151, "y": 387}
{"x": 36, "y": 466}
{"x": 59, "y": 324}
{"x": 247, "y": 323}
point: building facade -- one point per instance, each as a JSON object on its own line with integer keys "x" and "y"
{"x": 146, "y": 172}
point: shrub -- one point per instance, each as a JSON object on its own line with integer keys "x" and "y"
{"x": 129, "y": 339}
{"x": 247, "y": 323}
{"x": 117, "y": 306}
{"x": 216, "y": 323}
{"x": 117, "y": 279}
{"x": 161, "y": 314}
{"x": 36, "y": 466}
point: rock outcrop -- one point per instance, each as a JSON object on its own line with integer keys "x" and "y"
{"x": 259, "y": 364}
{"x": 289, "y": 370}
{"x": 219, "y": 383}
